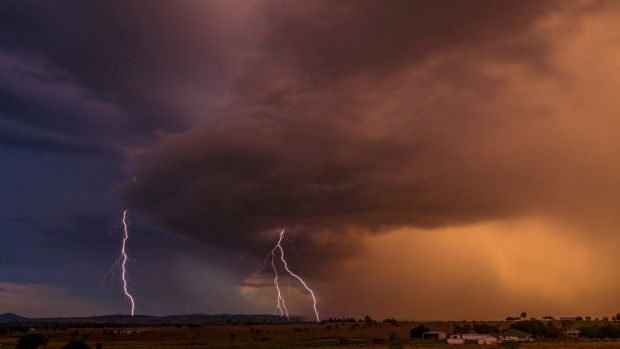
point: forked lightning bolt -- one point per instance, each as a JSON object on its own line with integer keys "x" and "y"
{"x": 301, "y": 281}
{"x": 124, "y": 259}
{"x": 280, "y": 303}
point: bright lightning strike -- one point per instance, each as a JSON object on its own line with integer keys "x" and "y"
{"x": 124, "y": 259}
{"x": 280, "y": 304}
{"x": 279, "y": 246}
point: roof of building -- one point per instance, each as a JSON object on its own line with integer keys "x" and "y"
{"x": 515, "y": 333}
{"x": 469, "y": 336}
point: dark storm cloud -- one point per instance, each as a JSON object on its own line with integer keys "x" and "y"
{"x": 79, "y": 80}
{"x": 363, "y": 116}
{"x": 124, "y": 72}
{"x": 43, "y": 109}
{"x": 330, "y": 40}
{"x": 227, "y": 120}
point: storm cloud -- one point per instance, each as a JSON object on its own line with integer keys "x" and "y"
{"x": 360, "y": 117}
{"x": 395, "y": 140}
{"x": 93, "y": 77}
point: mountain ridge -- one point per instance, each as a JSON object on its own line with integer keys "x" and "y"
{"x": 194, "y": 319}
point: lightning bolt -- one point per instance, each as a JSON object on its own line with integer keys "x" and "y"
{"x": 281, "y": 306}
{"x": 124, "y": 259}
{"x": 280, "y": 303}
{"x": 301, "y": 281}
{"x": 111, "y": 274}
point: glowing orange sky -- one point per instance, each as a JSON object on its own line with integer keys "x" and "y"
{"x": 556, "y": 141}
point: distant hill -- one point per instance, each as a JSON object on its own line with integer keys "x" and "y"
{"x": 11, "y": 318}
{"x": 193, "y": 319}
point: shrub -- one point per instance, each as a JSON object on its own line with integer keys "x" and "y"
{"x": 606, "y": 330}
{"x": 31, "y": 341}
{"x": 534, "y": 327}
{"x": 485, "y": 328}
{"x": 417, "y": 331}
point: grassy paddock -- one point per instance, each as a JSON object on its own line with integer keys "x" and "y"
{"x": 275, "y": 336}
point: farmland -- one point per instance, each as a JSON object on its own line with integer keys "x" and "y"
{"x": 293, "y": 335}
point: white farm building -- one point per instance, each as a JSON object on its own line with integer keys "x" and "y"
{"x": 513, "y": 335}
{"x": 473, "y": 338}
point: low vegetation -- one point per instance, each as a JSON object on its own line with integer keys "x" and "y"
{"x": 31, "y": 341}
{"x": 331, "y": 333}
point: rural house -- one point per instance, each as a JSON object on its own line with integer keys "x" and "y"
{"x": 571, "y": 334}
{"x": 471, "y": 338}
{"x": 434, "y": 335}
{"x": 513, "y": 335}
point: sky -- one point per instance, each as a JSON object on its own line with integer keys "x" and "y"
{"x": 426, "y": 159}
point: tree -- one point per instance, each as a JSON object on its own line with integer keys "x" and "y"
{"x": 548, "y": 317}
{"x": 465, "y": 328}
{"x": 417, "y": 331}
{"x": 594, "y": 331}
{"x": 566, "y": 324}
{"x": 601, "y": 330}
{"x": 523, "y": 315}
{"x": 485, "y": 328}
{"x": 392, "y": 322}
{"x": 534, "y": 327}
{"x": 76, "y": 344}
{"x": 31, "y": 341}
{"x": 551, "y": 331}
